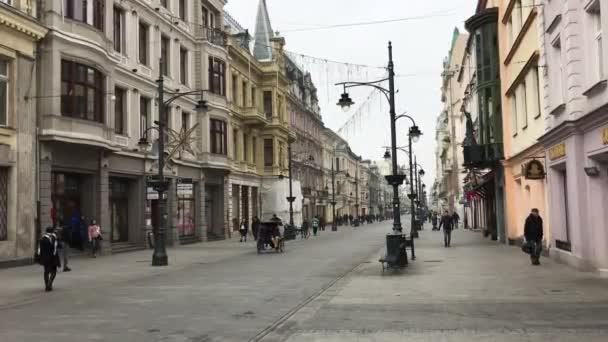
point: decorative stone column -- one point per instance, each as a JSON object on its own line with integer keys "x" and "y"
{"x": 201, "y": 219}
{"x": 103, "y": 203}
{"x": 171, "y": 234}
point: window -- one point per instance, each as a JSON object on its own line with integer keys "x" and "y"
{"x": 254, "y": 146}
{"x": 281, "y": 156}
{"x": 217, "y": 76}
{"x": 205, "y": 16}
{"x": 144, "y": 112}
{"x": 558, "y": 73}
{"x": 118, "y": 29}
{"x": 253, "y": 95}
{"x": 4, "y": 85}
{"x": 81, "y": 91}
{"x": 182, "y": 10}
{"x": 596, "y": 19}
{"x": 235, "y": 145}
{"x": 535, "y": 82}
{"x": 164, "y": 55}
{"x": 163, "y": 3}
{"x": 268, "y": 152}
{"x": 524, "y": 104}
{"x": 235, "y": 90}
{"x": 90, "y": 12}
{"x": 218, "y": 137}
{"x": 3, "y": 203}
{"x": 514, "y": 113}
{"x": 244, "y": 94}
{"x": 183, "y": 66}
{"x": 119, "y": 110}
{"x": 143, "y": 43}
{"x": 268, "y": 104}
{"x": 185, "y": 121}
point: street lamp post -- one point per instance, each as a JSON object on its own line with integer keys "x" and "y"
{"x": 291, "y": 198}
{"x": 334, "y": 224}
{"x": 161, "y": 185}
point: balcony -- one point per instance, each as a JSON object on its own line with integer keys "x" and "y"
{"x": 71, "y": 130}
{"x": 212, "y": 35}
{"x": 252, "y": 116}
{"x": 483, "y": 156}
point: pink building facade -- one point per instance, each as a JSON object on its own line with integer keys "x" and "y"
{"x": 576, "y": 139}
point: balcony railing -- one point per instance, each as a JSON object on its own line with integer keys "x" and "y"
{"x": 213, "y": 35}
{"x": 482, "y": 156}
{"x": 306, "y": 191}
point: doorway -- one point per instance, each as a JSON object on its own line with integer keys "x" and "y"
{"x": 119, "y": 209}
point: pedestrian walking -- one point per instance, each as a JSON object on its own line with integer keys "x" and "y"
{"x": 323, "y": 223}
{"x": 455, "y": 219}
{"x": 255, "y": 227}
{"x": 94, "y": 237}
{"x": 434, "y": 220}
{"x": 243, "y": 230}
{"x": 533, "y": 232}
{"x": 315, "y": 225}
{"x": 63, "y": 246}
{"x": 304, "y": 229}
{"x": 446, "y": 223}
{"x": 48, "y": 257}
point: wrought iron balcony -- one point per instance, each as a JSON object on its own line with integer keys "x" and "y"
{"x": 213, "y": 35}
{"x": 483, "y": 156}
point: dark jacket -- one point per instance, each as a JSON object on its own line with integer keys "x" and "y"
{"x": 533, "y": 230}
{"x": 446, "y": 223}
{"x": 48, "y": 250}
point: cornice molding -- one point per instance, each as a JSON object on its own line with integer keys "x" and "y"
{"x": 21, "y": 23}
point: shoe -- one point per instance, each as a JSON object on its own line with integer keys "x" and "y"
{"x": 66, "y": 269}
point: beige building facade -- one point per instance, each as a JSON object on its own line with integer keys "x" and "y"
{"x": 20, "y": 32}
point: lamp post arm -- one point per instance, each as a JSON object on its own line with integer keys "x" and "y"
{"x": 384, "y": 91}
{"x": 405, "y": 116}
{"x": 180, "y": 95}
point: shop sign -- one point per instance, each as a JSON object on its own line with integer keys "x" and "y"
{"x": 152, "y": 194}
{"x": 534, "y": 170}
{"x": 605, "y": 136}
{"x": 185, "y": 190}
{"x": 557, "y": 151}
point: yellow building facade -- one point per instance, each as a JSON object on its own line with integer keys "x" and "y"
{"x": 523, "y": 117}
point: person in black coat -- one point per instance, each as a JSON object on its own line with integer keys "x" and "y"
{"x": 49, "y": 257}
{"x": 255, "y": 227}
{"x": 533, "y": 232}
{"x": 447, "y": 224}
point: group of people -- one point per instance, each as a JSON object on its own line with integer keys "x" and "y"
{"x": 53, "y": 250}
{"x": 353, "y": 220}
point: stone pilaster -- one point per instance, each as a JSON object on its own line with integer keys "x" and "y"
{"x": 103, "y": 203}
{"x": 172, "y": 235}
{"x": 45, "y": 191}
{"x": 201, "y": 219}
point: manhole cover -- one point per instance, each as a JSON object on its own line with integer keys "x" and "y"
{"x": 434, "y": 261}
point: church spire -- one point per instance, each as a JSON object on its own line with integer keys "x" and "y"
{"x": 262, "y": 49}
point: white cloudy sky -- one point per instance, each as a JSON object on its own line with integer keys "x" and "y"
{"x": 420, "y": 46}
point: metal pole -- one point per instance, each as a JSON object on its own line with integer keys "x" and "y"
{"x": 357, "y": 193}
{"x": 334, "y": 224}
{"x": 391, "y": 85}
{"x": 159, "y": 257}
{"x": 413, "y": 231}
{"x": 290, "y": 198}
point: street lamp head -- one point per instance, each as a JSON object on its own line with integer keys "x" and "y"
{"x": 415, "y": 133}
{"x": 201, "y": 107}
{"x": 144, "y": 144}
{"x": 345, "y": 101}
{"x": 387, "y": 154}
{"x": 421, "y": 172}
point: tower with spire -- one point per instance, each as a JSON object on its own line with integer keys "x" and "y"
{"x": 262, "y": 49}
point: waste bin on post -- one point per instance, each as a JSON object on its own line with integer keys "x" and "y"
{"x": 396, "y": 256}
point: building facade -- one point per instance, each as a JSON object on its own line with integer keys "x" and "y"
{"x": 483, "y": 141}
{"x": 522, "y": 115}
{"x": 576, "y": 137}
{"x": 99, "y": 97}
{"x": 20, "y": 32}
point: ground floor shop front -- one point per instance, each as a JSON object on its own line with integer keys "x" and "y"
{"x": 80, "y": 184}
{"x": 577, "y": 181}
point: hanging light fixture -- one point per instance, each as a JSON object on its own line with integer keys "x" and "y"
{"x": 415, "y": 133}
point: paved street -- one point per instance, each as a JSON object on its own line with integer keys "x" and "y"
{"x": 328, "y": 288}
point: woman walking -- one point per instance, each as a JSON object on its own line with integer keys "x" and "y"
{"x": 243, "y": 230}
{"x": 94, "y": 237}
{"x": 49, "y": 257}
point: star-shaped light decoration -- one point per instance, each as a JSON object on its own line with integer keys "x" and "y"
{"x": 180, "y": 142}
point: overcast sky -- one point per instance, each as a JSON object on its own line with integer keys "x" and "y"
{"x": 420, "y": 45}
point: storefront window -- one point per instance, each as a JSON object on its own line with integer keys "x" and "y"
{"x": 185, "y": 220}
{"x": 119, "y": 209}
{"x": 3, "y": 203}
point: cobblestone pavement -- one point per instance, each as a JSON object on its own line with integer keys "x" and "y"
{"x": 474, "y": 291}
{"x": 217, "y": 291}
{"x": 327, "y": 288}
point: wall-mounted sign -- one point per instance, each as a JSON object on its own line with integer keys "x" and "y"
{"x": 557, "y": 151}
{"x": 185, "y": 190}
{"x": 534, "y": 170}
{"x": 152, "y": 194}
{"x": 605, "y": 136}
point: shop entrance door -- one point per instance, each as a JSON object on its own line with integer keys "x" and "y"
{"x": 119, "y": 209}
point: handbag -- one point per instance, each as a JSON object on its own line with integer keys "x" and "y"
{"x": 527, "y": 247}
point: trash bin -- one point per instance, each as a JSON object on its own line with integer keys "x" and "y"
{"x": 396, "y": 255}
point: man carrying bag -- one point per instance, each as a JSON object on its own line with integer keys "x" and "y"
{"x": 533, "y": 232}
